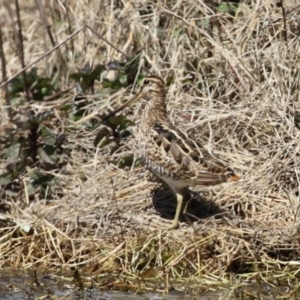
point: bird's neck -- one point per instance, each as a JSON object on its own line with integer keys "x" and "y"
{"x": 155, "y": 110}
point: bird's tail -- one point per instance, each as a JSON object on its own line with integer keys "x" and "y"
{"x": 231, "y": 175}
{"x": 233, "y": 178}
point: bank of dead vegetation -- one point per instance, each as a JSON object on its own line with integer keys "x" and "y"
{"x": 74, "y": 194}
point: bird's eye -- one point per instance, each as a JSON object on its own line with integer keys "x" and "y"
{"x": 146, "y": 81}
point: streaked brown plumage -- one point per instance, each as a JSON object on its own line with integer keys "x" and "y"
{"x": 168, "y": 152}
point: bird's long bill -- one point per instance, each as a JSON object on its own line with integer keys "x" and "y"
{"x": 132, "y": 100}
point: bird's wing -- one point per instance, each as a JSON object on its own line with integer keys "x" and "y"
{"x": 180, "y": 154}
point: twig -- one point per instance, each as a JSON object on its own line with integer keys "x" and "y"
{"x": 56, "y": 47}
{"x": 21, "y": 49}
{"x": 3, "y": 67}
{"x": 284, "y": 21}
{"x": 41, "y": 57}
{"x": 56, "y": 95}
{"x": 106, "y": 41}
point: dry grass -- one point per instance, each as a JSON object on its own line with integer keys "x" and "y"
{"x": 234, "y": 88}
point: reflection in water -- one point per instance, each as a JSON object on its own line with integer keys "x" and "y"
{"x": 27, "y": 285}
{"x": 23, "y": 285}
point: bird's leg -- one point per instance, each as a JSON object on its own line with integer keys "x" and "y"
{"x": 175, "y": 223}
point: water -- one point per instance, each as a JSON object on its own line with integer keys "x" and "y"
{"x": 21, "y": 285}
{"x": 28, "y": 285}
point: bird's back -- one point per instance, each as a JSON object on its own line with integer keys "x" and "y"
{"x": 171, "y": 155}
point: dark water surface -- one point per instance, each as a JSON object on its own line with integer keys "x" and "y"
{"x": 27, "y": 285}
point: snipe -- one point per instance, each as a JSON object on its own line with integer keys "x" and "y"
{"x": 168, "y": 152}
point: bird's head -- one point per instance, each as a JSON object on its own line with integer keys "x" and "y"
{"x": 151, "y": 87}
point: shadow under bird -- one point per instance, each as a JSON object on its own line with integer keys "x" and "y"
{"x": 167, "y": 151}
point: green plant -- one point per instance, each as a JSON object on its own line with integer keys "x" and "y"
{"x": 116, "y": 130}
{"x": 38, "y": 86}
{"x": 34, "y": 151}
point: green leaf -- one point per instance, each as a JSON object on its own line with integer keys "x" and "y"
{"x": 17, "y": 167}
{"x": 116, "y": 120}
{"x": 297, "y": 119}
{"x": 47, "y": 190}
{"x": 47, "y": 136}
{"x": 39, "y": 118}
{"x": 40, "y": 182}
{"x": 227, "y": 7}
{"x": 5, "y": 178}
{"x": 115, "y": 85}
{"x": 123, "y": 79}
{"x": 100, "y": 135}
{"x": 138, "y": 162}
{"x": 125, "y": 161}
{"x": 40, "y": 178}
{"x": 17, "y": 100}
{"x": 35, "y": 174}
{"x": 23, "y": 125}
{"x": 126, "y": 123}
{"x": 39, "y": 86}
{"x": 15, "y": 150}
{"x": 125, "y": 134}
{"x": 176, "y": 32}
{"x": 86, "y": 77}
{"x": 11, "y": 193}
{"x": 31, "y": 190}
{"x": 97, "y": 71}
{"x": 105, "y": 143}
{"x": 47, "y": 154}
